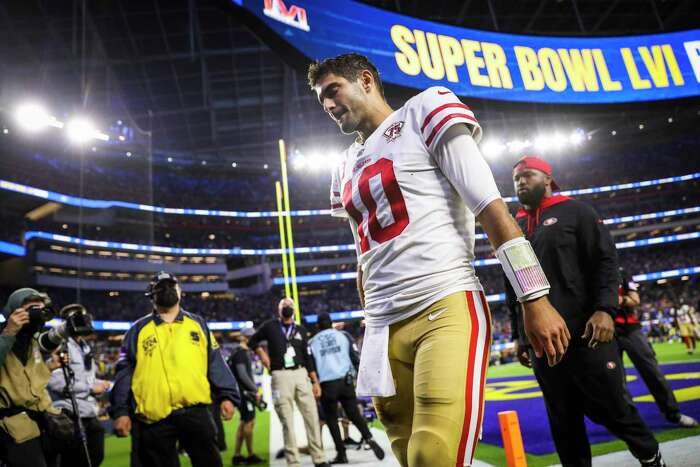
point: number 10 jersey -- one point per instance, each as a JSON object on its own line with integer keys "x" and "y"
{"x": 413, "y": 233}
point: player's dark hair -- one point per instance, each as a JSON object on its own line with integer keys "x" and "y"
{"x": 349, "y": 66}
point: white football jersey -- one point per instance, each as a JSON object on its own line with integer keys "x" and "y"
{"x": 413, "y": 233}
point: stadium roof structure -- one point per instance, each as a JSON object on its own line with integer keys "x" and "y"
{"x": 204, "y": 84}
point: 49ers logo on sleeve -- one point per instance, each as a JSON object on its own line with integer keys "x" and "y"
{"x": 393, "y": 132}
{"x": 550, "y": 221}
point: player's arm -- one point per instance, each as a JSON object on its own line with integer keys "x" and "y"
{"x": 461, "y": 162}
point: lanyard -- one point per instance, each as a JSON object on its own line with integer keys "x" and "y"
{"x": 287, "y": 332}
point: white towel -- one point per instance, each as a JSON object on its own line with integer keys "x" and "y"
{"x": 374, "y": 376}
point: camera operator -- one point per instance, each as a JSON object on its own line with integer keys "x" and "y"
{"x": 241, "y": 366}
{"x": 84, "y": 388}
{"x": 171, "y": 366}
{"x": 30, "y": 427}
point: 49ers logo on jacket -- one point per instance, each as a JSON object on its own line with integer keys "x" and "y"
{"x": 393, "y": 132}
{"x": 550, "y": 221}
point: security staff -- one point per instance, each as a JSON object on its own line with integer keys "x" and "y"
{"x": 172, "y": 366}
{"x": 293, "y": 379}
{"x": 31, "y": 429}
{"x": 632, "y": 340}
{"x": 579, "y": 259}
{"x": 335, "y": 355}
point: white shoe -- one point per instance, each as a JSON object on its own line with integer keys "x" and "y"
{"x": 687, "y": 422}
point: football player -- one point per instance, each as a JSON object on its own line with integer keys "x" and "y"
{"x": 412, "y": 186}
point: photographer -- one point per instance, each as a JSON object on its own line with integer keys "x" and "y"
{"x": 30, "y": 427}
{"x": 82, "y": 366}
{"x": 170, "y": 366}
{"x": 241, "y": 366}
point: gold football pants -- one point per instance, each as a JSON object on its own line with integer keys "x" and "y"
{"x": 438, "y": 359}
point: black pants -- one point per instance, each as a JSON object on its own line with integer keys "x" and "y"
{"x": 336, "y": 391}
{"x": 37, "y": 452}
{"x": 74, "y": 453}
{"x": 220, "y": 435}
{"x": 634, "y": 342}
{"x": 590, "y": 382}
{"x": 193, "y": 427}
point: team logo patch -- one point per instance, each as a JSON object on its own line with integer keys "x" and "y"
{"x": 149, "y": 345}
{"x": 611, "y": 365}
{"x": 195, "y": 337}
{"x": 550, "y": 221}
{"x": 393, "y": 132}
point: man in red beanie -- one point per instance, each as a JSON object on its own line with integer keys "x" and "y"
{"x": 578, "y": 257}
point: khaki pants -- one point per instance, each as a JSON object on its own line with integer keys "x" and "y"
{"x": 438, "y": 359}
{"x": 289, "y": 386}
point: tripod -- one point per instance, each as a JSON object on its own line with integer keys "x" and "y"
{"x": 69, "y": 376}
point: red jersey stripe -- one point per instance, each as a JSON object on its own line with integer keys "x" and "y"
{"x": 440, "y": 109}
{"x": 442, "y": 123}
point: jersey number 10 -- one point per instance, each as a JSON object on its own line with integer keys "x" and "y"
{"x": 392, "y": 191}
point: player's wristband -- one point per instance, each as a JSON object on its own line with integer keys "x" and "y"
{"x": 523, "y": 269}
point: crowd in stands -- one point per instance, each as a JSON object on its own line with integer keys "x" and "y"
{"x": 214, "y": 188}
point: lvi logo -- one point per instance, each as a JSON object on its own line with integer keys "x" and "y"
{"x": 294, "y": 16}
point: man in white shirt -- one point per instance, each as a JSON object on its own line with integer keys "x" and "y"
{"x": 412, "y": 185}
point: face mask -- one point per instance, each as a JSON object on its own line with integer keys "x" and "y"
{"x": 287, "y": 312}
{"x": 166, "y": 297}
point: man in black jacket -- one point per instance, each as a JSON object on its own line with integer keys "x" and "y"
{"x": 631, "y": 339}
{"x": 578, "y": 256}
{"x": 241, "y": 366}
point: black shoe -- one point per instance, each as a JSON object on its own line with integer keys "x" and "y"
{"x": 252, "y": 460}
{"x": 657, "y": 461}
{"x": 351, "y": 442}
{"x": 238, "y": 460}
{"x": 340, "y": 458}
{"x": 377, "y": 449}
{"x": 280, "y": 454}
{"x": 322, "y": 464}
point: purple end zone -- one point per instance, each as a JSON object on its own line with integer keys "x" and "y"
{"x": 507, "y": 394}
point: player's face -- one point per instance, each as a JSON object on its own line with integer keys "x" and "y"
{"x": 530, "y": 186}
{"x": 342, "y": 100}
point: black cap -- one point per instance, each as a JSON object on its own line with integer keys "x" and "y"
{"x": 158, "y": 279}
{"x": 324, "y": 320}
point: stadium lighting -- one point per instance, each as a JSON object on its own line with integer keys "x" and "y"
{"x": 493, "y": 148}
{"x": 32, "y": 117}
{"x": 299, "y": 161}
{"x": 80, "y": 130}
{"x": 234, "y": 165}
{"x": 517, "y": 145}
{"x": 170, "y": 159}
{"x": 577, "y": 137}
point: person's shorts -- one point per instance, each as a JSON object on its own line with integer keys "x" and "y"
{"x": 247, "y": 410}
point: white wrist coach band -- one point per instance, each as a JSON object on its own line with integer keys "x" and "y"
{"x": 523, "y": 269}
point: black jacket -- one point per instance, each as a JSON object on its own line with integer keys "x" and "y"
{"x": 578, "y": 256}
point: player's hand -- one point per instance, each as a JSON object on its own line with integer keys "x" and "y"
{"x": 546, "y": 330}
{"x": 227, "y": 410}
{"x": 600, "y": 328}
{"x": 16, "y": 321}
{"x": 316, "y": 389}
{"x": 265, "y": 360}
{"x": 523, "y": 354}
{"x": 122, "y": 426}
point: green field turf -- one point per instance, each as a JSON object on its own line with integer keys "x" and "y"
{"x": 117, "y": 450}
{"x": 665, "y": 353}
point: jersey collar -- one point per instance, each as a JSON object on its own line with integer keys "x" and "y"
{"x": 158, "y": 320}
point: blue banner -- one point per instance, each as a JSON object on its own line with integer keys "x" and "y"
{"x": 419, "y": 54}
